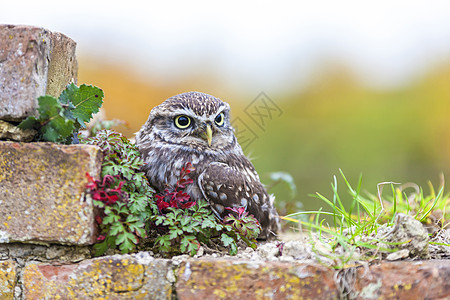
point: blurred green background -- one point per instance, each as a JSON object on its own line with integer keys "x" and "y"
{"x": 399, "y": 134}
{"x": 363, "y": 86}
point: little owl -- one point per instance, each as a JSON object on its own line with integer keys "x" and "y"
{"x": 195, "y": 127}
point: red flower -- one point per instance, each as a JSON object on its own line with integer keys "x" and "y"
{"x": 92, "y": 184}
{"x": 186, "y": 170}
{"x": 161, "y": 204}
{"x": 103, "y": 192}
{"x": 173, "y": 203}
{"x": 240, "y": 211}
{"x": 181, "y": 196}
{"x": 183, "y": 182}
{"x": 187, "y": 205}
{"x": 175, "y": 196}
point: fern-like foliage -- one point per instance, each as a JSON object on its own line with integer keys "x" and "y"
{"x": 124, "y": 196}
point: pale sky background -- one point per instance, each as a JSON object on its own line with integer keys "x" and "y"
{"x": 270, "y": 45}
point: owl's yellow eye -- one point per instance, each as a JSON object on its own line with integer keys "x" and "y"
{"x": 219, "y": 119}
{"x": 182, "y": 121}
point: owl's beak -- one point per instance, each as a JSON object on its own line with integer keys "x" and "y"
{"x": 208, "y": 134}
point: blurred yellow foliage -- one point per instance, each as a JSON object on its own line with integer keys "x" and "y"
{"x": 400, "y": 134}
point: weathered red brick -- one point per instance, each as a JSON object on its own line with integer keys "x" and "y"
{"x": 237, "y": 279}
{"x": 33, "y": 62}
{"x": 42, "y": 192}
{"x": 136, "y": 276}
{"x": 7, "y": 279}
{"x": 404, "y": 280}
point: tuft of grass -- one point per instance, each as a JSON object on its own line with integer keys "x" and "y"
{"x": 346, "y": 233}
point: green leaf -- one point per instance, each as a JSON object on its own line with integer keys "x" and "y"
{"x": 174, "y": 232}
{"x": 159, "y": 220}
{"x": 126, "y": 242}
{"x": 228, "y": 227}
{"x": 110, "y": 219}
{"x": 185, "y": 220}
{"x": 116, "y": 228}
{"x": 233, "y": 248}
{"x": 98, "y": 204}
{"x": 164, "y": 243}
{"x": 209, "y": 224}
{"x": 132, "y": 219}
{"x": 253, "y": 244}
{"x": 58, "y": 129}
{"x": 226, "y": 239}
{"x": 49, "y": 108}
{"x": 55, "y": 126}
{"x": 139, "y": 230}
{"x": 191, "y": 228}
{"x": 85, "y": 99}
{"x": 29, "y": 123}
{"x": 189, "y": 244}
{"x": 101, "y": 248}
{"x": 125, "y": 237}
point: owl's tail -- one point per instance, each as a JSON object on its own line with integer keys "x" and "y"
{"x": 274, "y": 218}
{"x": 273, "y": 228}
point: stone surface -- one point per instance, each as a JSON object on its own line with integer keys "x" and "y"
{"x": 407, "y": 233}
{"x": 140, "y": 276}
{"x": 7, "y": 279}
{"x": 33, "y": 62}
{"x": 10, "y": 132}
{"x": 42, "y": 193}
{"x": 237, "y": 279}
{"x": 404, "y": 280}
{"x": 136, "y": 276}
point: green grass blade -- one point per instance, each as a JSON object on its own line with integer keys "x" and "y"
{"x": 339, "y": 212}
{"x": 434, "y": 204}
{"x": 394, "y": 204}
{"x": 309, "y": 212}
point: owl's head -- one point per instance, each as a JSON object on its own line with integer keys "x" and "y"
{"x": 192, "y": 119}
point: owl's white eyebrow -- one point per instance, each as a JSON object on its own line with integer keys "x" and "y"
{"x": 221, "y": 109}
{"x": 183, "y": 112}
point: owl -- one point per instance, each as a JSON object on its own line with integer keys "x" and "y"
{"x": 195, "y": 127}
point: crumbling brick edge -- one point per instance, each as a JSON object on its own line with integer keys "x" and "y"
{"x": 141, "y": 276}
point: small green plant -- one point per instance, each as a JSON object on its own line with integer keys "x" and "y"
{"x": 241, "y": 226}
{"x": 129, "y": 210}
{"x": 183, "y": 225}
{"x": 59, "y": 119}
{"x": 184, "y": 231}
{"x": 350, "y": 232}
{"x": 123, "y": 196}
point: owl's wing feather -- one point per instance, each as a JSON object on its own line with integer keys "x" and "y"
{"x": 222, "y": 186}
{"x": 218, "y": 183}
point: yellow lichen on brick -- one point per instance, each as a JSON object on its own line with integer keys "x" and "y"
{"x": 33, "y": 282}
{"x": 48, "y": 181}
{"x": 7, "y": 279}
{"x": 119, "y": 277}
{"x": 217, "y": 279}
{"x": 220, "y": 294}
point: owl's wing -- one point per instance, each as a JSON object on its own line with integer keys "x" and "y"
{"x": 223, "y": 186}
